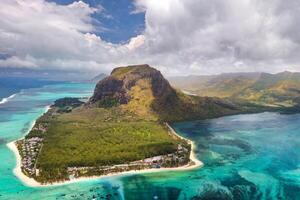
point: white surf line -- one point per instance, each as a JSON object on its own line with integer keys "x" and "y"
{"x": 4, "y": 100}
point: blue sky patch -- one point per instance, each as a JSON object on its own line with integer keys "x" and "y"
{"x": 117, "y": 21}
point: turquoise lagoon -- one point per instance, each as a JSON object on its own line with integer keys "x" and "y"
{"x": 254, "y": 156}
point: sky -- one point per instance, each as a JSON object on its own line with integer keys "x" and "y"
{"x": 178, "y": 37}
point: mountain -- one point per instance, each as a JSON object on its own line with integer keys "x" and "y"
{"x": 144, "y": 91}
{"x": 122, "y": 127}
{"x": 276, "y": 90}
{"x": 98, "y": 78}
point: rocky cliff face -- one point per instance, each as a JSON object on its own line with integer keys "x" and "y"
{"x": 117, "y": 86}
{"x": 110, "y": 88}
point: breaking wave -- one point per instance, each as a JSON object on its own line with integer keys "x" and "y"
{"x": 5, "y": 100}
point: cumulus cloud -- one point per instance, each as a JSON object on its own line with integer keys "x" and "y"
{"x": 136, "y": 42}
{"x": 220, "y": 36}
{"x": 180, "y": 36}
{"x": 41, "y": 34}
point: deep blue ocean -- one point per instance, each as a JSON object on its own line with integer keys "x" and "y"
{"x": 254, "y": 156}
{"x": 12, "y": 85}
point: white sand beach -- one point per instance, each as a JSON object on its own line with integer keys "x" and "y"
{"x": 193, "y": 158}
{"x": 17, "y": 170}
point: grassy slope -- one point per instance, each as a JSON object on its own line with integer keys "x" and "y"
{"x": 180, "y": 107}
{"x": 277, "y": 90}
{"x": 226, "y": 88}
{"x": 282, "y": 89}
{"x": 172, "y": 105}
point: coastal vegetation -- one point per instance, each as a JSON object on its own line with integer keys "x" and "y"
{"x": 98, "y": 137}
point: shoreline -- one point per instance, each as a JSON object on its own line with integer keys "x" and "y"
{"x": 30, "y": 182}
{"x": 17, "y": 169}
{"x": 193, "y": 158}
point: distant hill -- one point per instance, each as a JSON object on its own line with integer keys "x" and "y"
{"x": 98, "y": 78}
{"x": 277, "y": 90}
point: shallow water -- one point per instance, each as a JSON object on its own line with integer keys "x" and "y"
{"x": 245, "y": 157}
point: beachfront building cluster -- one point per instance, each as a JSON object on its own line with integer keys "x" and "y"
{"x": 29, "y": 150}
{"x": 176, "y": 159}
{"x": 30, "y": 147}
{"x": 180, "y": 157}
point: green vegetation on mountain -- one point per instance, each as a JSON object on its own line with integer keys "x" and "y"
{"x": 280, "y": 90}
{"x": 122, "y": 122}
